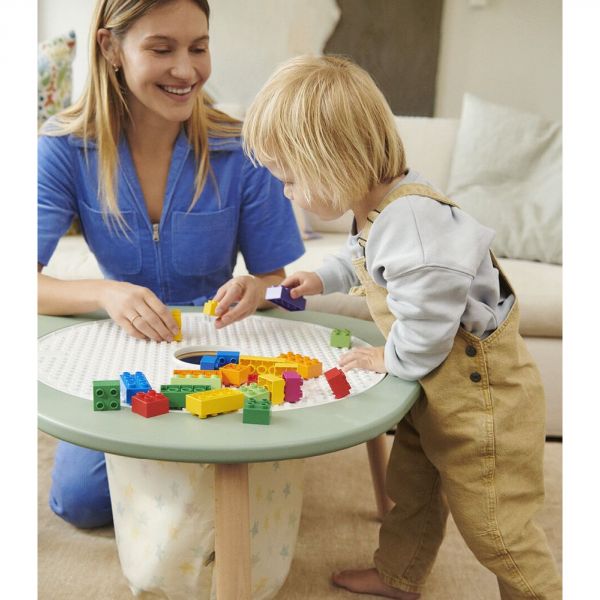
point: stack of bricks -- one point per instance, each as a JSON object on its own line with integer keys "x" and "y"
{"x": 337, "y": 382}
{"x": 293, "y": 386}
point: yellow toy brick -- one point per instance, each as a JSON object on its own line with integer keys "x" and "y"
{"x": 177, "y": 316}
{"x": 235, "y": 374}
{"x": 214, "y": 402}
{"x": 209, "y": 307}
{"x": 260, "y": 364}
{"x": 307, "y": 367}
{"x": 275, "y": 385}
{"x": 196, "y": 373}
{"x": 280, "y": 367}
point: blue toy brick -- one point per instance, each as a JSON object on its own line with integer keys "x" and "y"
{"x": 280, "y": 295}
{"x": 208, "y": 363}
{"x": 132, "y": 383}
{"x": 226, "y": 357}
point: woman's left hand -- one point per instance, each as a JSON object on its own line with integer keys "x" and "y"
{"x": 246, "y": 290}
{"x": 371, "y": 359}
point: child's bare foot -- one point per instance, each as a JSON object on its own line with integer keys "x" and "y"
{"x": 367, "y": 581}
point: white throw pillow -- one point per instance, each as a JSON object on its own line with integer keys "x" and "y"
{"x": 507, "y": 172}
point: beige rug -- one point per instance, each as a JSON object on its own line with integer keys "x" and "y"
{"x": 338, "y": 530}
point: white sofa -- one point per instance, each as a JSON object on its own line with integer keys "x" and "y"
{"x": 429, "y": 144}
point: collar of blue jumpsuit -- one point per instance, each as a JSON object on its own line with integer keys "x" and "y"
{"x": 181, "y": 149}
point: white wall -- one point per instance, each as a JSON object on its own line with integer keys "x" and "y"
{"x": 507, "y": 51}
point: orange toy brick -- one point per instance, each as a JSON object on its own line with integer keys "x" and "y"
{"x": 150, "y": 404}
{"x": 337, "y": 382}
{"x": 307, "y": 367}
{"x": 235, "y": 374}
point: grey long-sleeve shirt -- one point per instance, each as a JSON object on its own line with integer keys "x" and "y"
{"x": 435, "y": 263}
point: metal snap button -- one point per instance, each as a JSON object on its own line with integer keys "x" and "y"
{"x": 475, "y": 377}
{"x": 471, "y": 350}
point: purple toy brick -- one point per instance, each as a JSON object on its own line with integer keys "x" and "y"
{"x": 280, "y": 295}
{"x": 293, "y": 386}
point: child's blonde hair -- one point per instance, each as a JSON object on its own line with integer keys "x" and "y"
{"x": 324, "y": 121}
{"x": 100, "y": 113}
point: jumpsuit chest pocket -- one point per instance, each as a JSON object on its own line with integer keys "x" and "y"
{"x": 116, "y": 251}
{"x": 202, "y": 242}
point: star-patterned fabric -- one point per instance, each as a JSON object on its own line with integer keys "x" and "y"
{"x": 164, "y": 525}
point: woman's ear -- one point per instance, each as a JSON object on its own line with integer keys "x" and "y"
{"x": 108, "y": 46}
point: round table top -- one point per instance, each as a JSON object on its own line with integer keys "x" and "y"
{"x": 225, "y": 439}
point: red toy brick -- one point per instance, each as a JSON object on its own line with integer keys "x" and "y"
{"x": 150, "y": 404}
{"x": 337, "y": 382}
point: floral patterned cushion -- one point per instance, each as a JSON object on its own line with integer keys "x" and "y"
{"x": 55, "y": 58}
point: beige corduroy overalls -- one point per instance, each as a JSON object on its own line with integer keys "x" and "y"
{"x": 473, "y": 444}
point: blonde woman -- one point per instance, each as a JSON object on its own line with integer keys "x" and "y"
{"x": 473, "y": 442}
{"x": 165, "y": 196}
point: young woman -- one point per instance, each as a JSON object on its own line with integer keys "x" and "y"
{"x": 165, "y": 197}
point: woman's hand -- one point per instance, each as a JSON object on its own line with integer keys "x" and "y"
{"x": 303, "y": 283}
{"x": 138, "y": 311}
{"x": 246, "y": 290}
{"x": 371, "y": 359}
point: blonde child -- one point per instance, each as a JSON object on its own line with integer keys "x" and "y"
{"x": 473, "y": 443}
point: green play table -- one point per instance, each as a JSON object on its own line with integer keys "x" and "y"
{"x": 230, "y": 444}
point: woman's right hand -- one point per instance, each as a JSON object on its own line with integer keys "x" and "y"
{"x": 303, "y": 283}
{"x": 138, "y": 311}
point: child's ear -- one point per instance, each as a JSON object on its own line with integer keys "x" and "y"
{"x": 108, "y": 46}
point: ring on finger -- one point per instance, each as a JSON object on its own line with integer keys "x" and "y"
{"x": 132, "y": 321}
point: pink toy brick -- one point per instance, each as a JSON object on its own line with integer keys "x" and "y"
{"x": 150, "y": 404}
{"x": 337, "y": 382}
{"x": 293, "y": 386}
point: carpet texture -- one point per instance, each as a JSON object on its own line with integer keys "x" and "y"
{"x": 338, "y": 530}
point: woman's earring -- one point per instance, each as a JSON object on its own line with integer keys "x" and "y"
{"x": 116, "y": 68}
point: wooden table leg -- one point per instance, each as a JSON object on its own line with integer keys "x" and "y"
{"x": 232, "y": 532}
{"x": 377, "y": 449}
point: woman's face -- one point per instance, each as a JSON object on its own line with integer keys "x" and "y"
{"x": 165, "y": 61}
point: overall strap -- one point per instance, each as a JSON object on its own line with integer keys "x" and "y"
{"x": 406, "y": 189}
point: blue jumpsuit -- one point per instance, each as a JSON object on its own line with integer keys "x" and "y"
{"x": 183, "y": 259}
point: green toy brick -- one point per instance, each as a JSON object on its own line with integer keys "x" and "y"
{"x": 177, "y": 393}
{"x": 253, "y": 391}
{"x": 257, "y": 412}
{"x": 341, "y": 338}
{"x": 107, "y": 395}
{"x": 214, "y": 382}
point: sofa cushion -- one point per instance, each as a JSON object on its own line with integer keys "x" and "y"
{"x": 507, "y": 172}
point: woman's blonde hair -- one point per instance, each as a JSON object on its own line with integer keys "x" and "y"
{"x": 100, "y": 113}
{"x": 324, "y": 121}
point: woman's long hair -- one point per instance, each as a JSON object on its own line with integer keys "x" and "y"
{"x": 100, "y": 113}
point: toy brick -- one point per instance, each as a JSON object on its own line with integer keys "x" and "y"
{"x": 253, "y": 391}
{"x": 307, "y": 367}
{"x": 235, "y": 374}
{"x": 106, "y": 395}
{"x": 281, "y": 367}
{"x": 293, "y": 386}
{"x": 214, "y": 381}
{"x": 149, "y": 404}
{"x": 208, "y": 362}
{"x": 340, "y": 338}
{"x": 275, "y": 385}
{"x": 257, "y": 412}
{"x": 260, "y": 364}
{"x": 214, "y": 402}
{"x": 196, "y": 372}
{"x": 280, "y": 295}
{"x": 226, "y": 357}
{"x": 337, "y": 382}
{"x": 132, "y": 383}
{"x": 209, "y": 307}
{"x": 177, "y": 393}
{"x": 177, "y": 316}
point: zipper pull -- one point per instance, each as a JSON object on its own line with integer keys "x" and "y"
{"x": 155, "y": 236}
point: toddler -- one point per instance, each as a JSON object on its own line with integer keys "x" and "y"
{"x": 473, "y": 442}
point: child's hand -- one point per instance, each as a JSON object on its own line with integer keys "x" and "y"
{"x": 246, "y": 290}
{"x": 303, "y": 283}
{"x": 137, "y": 310}
{"x": 371, "y": 359}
